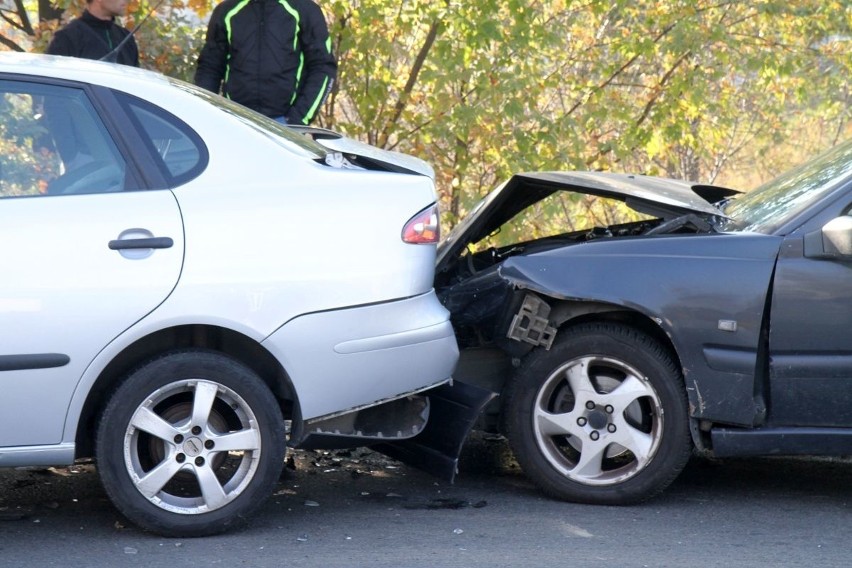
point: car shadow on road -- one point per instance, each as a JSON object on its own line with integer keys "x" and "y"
{"x": 333, "y": 483}
{"x": 771, "y": 479}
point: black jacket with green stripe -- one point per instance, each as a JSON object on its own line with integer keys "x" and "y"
{"x": 273, "y": 56}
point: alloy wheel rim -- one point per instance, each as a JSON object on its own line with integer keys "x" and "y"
{"x": 192, "y": 447}
{"x": 597, "y": 420}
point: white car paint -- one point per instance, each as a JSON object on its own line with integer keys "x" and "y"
{"x": 297, "y": 256}
{"x": 65, "y": 291}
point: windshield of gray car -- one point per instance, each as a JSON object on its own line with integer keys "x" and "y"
{"x": 772, "y": 205}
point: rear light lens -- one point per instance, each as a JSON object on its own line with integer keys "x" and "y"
{"x": 423, "y": 228}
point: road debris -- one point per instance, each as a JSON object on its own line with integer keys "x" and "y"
{"x": 445, "y": 503}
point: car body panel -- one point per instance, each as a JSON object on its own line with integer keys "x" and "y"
{"x": 346, "y": 359}
{"x": 689, "y": 299}
{"x": 757, "y": 323}
{"x": 336, "y": 142}
{"x": 274, "y": 237}
{"x": 810, "y": 343}
{"x": 66, "y": 279}
{"x": 271, "y": 252}
{"x": 41, "y": 455}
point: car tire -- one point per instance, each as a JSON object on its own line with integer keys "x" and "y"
{"x": 190, "y": 444}
{"x": 599, "y": 418}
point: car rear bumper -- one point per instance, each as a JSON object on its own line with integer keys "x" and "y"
{"x": 353, "y": 358}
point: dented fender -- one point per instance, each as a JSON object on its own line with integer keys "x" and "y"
{"x": 682, "y": 284}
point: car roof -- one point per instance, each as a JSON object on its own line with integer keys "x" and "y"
{"x": 113, "y": 75}
{"x": 161, "y": 90}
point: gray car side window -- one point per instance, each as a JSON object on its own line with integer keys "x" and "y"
{"x": 52, "y": 142}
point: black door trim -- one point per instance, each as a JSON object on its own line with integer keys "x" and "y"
{"x": 33, "y": 361}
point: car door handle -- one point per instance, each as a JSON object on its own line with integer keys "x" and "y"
{"x": 145, "y": 243}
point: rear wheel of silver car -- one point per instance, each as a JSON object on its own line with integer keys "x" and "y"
{"x": 190, "y": 444}
{"x": 599, "y": 418}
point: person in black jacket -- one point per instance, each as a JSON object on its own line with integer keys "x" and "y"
{"x": 96, "y": 35}
{"x": 273, "y": 56}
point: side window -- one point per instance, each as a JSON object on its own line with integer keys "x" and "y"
{"x": 182, "y": 153}
{"x": 52, "y": 142}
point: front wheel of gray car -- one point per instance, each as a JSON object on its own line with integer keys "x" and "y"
{"x": 190, "y": 444}
{"x": 599, "y": 418}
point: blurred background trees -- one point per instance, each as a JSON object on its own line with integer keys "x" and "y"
{"x": 719, "y": 91}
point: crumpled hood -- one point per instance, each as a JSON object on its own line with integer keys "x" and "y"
{"x": 660, "y": 197}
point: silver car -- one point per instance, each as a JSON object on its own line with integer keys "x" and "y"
{"x": 189, "y": 287}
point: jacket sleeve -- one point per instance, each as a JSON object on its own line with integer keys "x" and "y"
{"x": 213, "y": 58}
{"x": 320, "y": 66}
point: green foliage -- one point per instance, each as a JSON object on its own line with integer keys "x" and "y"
{"x": 27, "y": 160}
{"x": 559, "y": 213}
{"x": 170, "y": 44}
{"x": 685, "y": 89}
{"x": 714, "y": 90}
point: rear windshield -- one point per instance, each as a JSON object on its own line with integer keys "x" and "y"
{"x": 263, "y": 124}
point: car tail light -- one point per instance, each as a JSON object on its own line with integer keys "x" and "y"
{"x": 423, "y": 228}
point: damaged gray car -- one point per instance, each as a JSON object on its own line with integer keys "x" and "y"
{"x": 628, "y": 320}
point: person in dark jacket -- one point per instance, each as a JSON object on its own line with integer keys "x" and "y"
{"x": 273, "y": 56}
{"x": 96, "y": 35}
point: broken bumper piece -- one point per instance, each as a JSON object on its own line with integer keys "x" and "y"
{"x": 453, "y": 410}
{"x": 426, "y": 430}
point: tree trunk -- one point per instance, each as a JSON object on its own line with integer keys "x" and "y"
{"x": 48, "y": 11}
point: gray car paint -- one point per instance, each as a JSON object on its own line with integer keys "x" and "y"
{"x": 756, "y": 322}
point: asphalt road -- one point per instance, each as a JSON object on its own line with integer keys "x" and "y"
{"x": 361, "y": 509}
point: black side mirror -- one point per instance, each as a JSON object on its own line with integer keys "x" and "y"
{"x": 834, "y": 240}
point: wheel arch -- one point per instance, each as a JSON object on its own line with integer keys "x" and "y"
{"x": 582, "y": 312}
{"x": 553, "y": 456}
{"x": 195, "y": 336}
{"x": 569, "y": 313}
{"x": 566, "y": 313}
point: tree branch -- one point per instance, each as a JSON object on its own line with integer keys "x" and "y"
{"x": 617, "y": 72}
{"x": 25, "y": 19}
{"x": 646, "y": 111}
{"x": 10, "y": 21}
{"x": 412, "y": 80}
{"x": 659, "y": 89}
{"x": 10, "y": 44}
